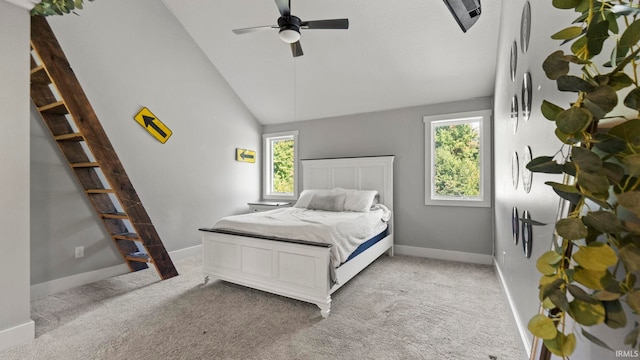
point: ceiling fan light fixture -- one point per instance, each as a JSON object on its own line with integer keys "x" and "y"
{"x": 289, "y": 34}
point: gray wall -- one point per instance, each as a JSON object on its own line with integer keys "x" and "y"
{"x": 519, "y": 273}
{"x": 128, "y": 55}
{"x": 16, "y": 326}
{"x": 401, "y": 133}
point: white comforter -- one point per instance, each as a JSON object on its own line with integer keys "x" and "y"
{"x": 345, "y": 231}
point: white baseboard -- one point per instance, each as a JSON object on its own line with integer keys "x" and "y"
{"x": 39, "y": 291}
{"x": 17, "y": 335}
{"x": 443, "y": 254}
{"x": 522, "y": 329}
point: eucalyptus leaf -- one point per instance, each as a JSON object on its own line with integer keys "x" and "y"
{"x": 547, "y": 264}
{"x": 615, "y": 317}
{"x": 619, "y": 81}
{"x": 573, "y": 120}
{"x": 595, "y": 280}
{"x": 632, "y": 336}
{"x": 629, "y": 38}
{"x": 630, "y": 256}
{"x": 605, "y": 222}
{"x": 605, "y": 97}
{"x": 632, "y": 163}
{"x": 595, "y": 340}
{"x": 569, "y": 33}
{"x": 605, "y": 295}
{"x": 596, "y": 256}
{"x": 562, "y": 345}
{"x": 631, "y": 227}
{"x": 532, "y": 222}
{"x": 542, "y": 327}
{"x": 629, "y": 131}
{"x": 571, "y": 229}
{"x": 630, "y": 201}
{"x": 614, "y": 172}
{"x": 544, "y": 164}
{"x": 580, "y": 45}
{"x": 596, "y": 184}
{"x": 633, "y": 300}
{"x": 586, "y": 160}
{"x": 632, "y": 100}
{"x": 546, "y": 280}
{"x": 546, "y": 290}
{"x": 573, "y": 84}
{"x": 613, "y": 23}
{"x": 555, "y": 65}
{"x": 578, "y": 293}
{"x": 587, "y": 314}
{"x": 559, "y": 299}
{"x": 550, "y": 111}
{"x": 597, "y": 34}
{"x": 566, "y": 4}
{"x": 595, "y": 109}
{"x": 609, "y": 143}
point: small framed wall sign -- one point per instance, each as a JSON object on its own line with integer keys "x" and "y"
{"x": 244, "y": 155}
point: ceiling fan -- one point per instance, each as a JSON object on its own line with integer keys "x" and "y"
{"x": 289, "y": 26}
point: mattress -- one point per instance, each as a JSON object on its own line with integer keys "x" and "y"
{"x": 342, "y": 232}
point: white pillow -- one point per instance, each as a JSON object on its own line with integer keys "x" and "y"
{"x": 306, "y": 195}
{"x": 329, "y": 202}
{"x": 358, "y": 200}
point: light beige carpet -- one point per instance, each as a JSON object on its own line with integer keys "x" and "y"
{"x": 398, "y": 308}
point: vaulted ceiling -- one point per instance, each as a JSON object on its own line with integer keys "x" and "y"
{"x": 395, "y": 54}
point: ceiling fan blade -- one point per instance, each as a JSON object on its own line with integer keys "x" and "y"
{"x": 326, "y": 24}
{"x": 254, "y": 29}
{"x": 284, "y": 6}
{"x": 296, "y": 49}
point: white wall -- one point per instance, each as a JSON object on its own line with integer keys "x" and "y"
{"x": 127, "y": 55}
{"x": 519, "y": 274}
{"x": 16, "y": 326}
{"x": 438, "y": 231}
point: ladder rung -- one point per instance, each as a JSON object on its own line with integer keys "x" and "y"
{"x": 117, "y": 215}
{"x": 99, "y": 191}
{"x": 36, "y": 69}
{"x": 69, "y": 137}
{"x": 139, "y": 257}
{"x": 85, "y": 165}
{"x": 127, "y": 236}
{"x": 57, "y": 107}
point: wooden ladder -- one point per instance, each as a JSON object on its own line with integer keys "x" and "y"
{"x": 76, "y": 129}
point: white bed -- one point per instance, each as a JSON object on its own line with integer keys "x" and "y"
{"x": 299, "y": 269}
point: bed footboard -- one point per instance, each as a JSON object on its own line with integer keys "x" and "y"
{"x": 293, "y": 270}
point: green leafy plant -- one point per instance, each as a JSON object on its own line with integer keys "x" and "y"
{"x": 590, "y": 274}
{"x": 56, "y": 7}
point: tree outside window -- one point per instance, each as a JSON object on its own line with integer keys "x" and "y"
{"x": 458, "y": 159}
{"x": 280, "y": 158}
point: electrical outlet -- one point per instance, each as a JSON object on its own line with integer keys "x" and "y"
{"x": 79, "y": 251}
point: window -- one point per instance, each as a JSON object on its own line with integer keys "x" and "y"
{"x": 280, "y": 165}
{"x": 458, "y": 159}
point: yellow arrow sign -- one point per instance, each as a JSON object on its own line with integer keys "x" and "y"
{"x": 245, "y": 155}
{"x": 153, "y": 125}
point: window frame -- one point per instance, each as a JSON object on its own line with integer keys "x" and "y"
{"x": 431, "y": 121}
{"x": 267, "y": 171}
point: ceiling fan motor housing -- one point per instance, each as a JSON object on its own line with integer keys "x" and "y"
{"x": 289, "y": 28}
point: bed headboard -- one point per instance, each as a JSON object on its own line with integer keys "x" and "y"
{"x": 362, "y": 173}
